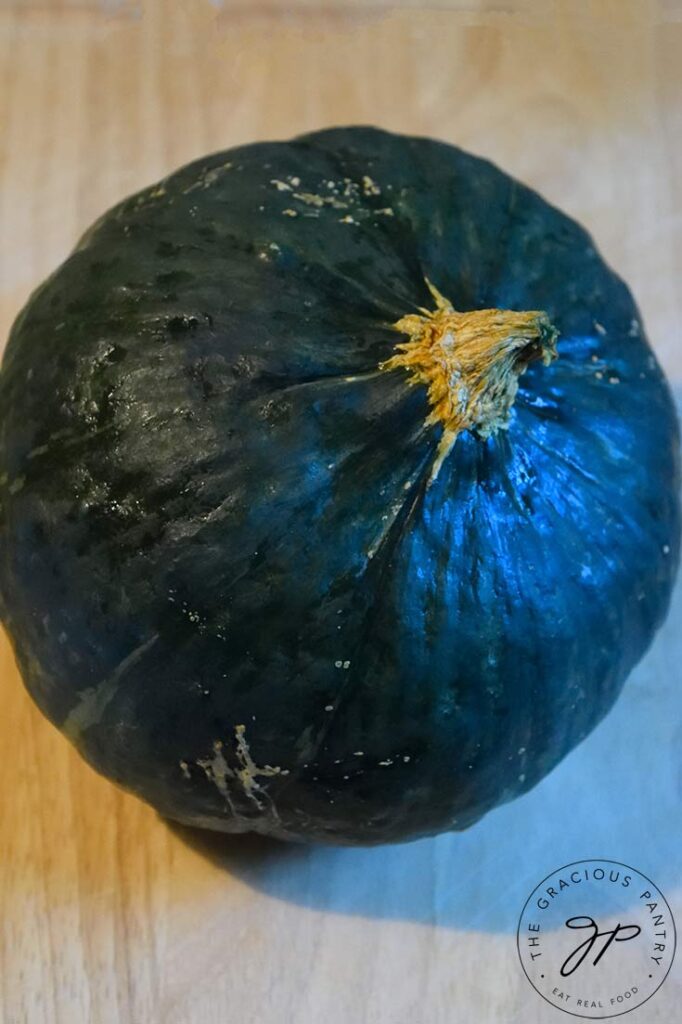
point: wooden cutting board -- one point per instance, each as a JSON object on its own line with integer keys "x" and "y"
{"x": 108, "y": 914}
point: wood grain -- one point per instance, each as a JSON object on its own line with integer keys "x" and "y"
{"x": 109, "y": 914}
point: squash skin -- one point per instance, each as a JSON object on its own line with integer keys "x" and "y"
{"x": 205, "y": 525}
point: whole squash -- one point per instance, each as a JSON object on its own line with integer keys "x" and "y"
{"x": 339, "y": 489}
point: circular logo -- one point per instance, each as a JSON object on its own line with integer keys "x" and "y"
{"x": 596, "y": 938}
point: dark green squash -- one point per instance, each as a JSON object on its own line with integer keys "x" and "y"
{"x": 282, "y": 546}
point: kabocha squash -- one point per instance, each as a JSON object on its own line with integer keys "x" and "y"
{"x": 339, "y": 489}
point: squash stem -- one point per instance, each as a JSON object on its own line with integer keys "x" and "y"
{"x": 470, "y": 364}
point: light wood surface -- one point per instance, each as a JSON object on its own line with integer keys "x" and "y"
{"x": 108, "y": 914}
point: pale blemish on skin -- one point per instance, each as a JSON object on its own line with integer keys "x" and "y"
{"x": 35, "y": 452}
{"x": 312, "y": 199}
{"x": 157, "y": 192}
{"x": 351, "y": 191}
{"x": 218, "y": 771}
{"x": 208, "y": 177}
{"x": 93, "y": 701}
{"x": 388, "y": 519}
{"x": 370, "y": 187}
{"x": 247, "y": 772}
